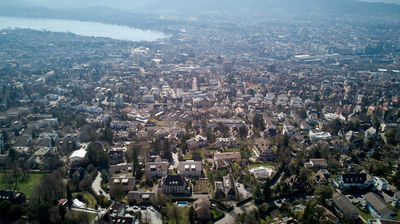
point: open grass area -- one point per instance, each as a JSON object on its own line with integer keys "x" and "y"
{"x": 259, "y": 164}
{"x": 216, "y": 214}
{"x": 25, "y": 185}
{"x": 178, "y": 216}
{"x": 79, "y": 214}
{"x": 365, "y": 215}
{"x": 90, "y": 199}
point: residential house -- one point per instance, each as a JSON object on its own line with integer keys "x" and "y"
{"x": 175, "y": 185}
{"x": 127, "y": 183}
{"x": 353, "y": 181}
{"x": 140, "y": 196}
{"x": 378, "y": 208}
{"x": 157, "y": 168}
{"x": 317, "y": 163}
{"x": 222, "y": 159}
{"x": 117, "y": 155}
{"x": 196, "y": 142}
{"x": 12, "y": 196}
{"x": 268, "y": 154}
{"x": 397, "y": 199}
{"x": 116, "y": 214}
{"x": 227, "y": 188}
{"x": 321, "y": 177}
{"x": 190, "y": 168}
{"x": 122, "y": 168}
{"x": 380, "y": 183}
{"x": 225, "y": 142}
{"x": 345, "y": 209}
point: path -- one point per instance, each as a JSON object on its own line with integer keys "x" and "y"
{"x": 96, "y": 185}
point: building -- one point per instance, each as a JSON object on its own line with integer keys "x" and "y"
{"x": 157, "y": 168}
{"x": 12, "y": 196}
{"x": 222, "y": 159}
{"x": 140, "y": 196}
{"x": 190, "y": 168}
{"x": 117, "y": 155}
{"x": 122, "y": 168}
{"x": 317, "y": 163}
{"x": 262, "y": 172}
{"x": 378, "y": 208}
{"x": 175, "y": 185}
{"x": 380, "y": 183}
{"x": 225, "y": 142}
{"x": 227, "y": 188}
{"x": 353, "y": 181}
{"x": 77, "y": 155}
{"x": 345, "y": 209}
{"x": 127, "y": 183}
{"x": 116, "y": 213}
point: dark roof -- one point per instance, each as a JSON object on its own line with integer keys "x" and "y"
{"x": 174, "y": 180}
{"x": 378, "y": 204}
{"x": 358, "y": 178}
{"x": 343, "y": 204}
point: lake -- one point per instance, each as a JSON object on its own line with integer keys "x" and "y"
{"x": 90, "y": 29}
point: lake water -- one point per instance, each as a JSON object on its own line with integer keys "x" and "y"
{"x": 90, "y": 29}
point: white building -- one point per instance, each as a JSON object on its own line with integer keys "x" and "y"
{"x": 78, "y": 155}
{"x": 315, "y": 136}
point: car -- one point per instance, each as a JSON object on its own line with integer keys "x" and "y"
{"x": 238, "y": 185}
{"x": 152, "y": 209}
{"x": 135, "y": 207}
{"x": 143, "y": 207}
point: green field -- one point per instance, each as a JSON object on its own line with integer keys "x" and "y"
{"x": 259, "y": 164}
{"x": 24, "y": 185}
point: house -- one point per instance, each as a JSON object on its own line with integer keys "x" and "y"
{"x": 116, "y": 213}
{"x": 117, "y": 155}
{"x": 140, "y": 196}
{"x": 190, "y": 168}
{"x": 12, "y": 196}
{"x": 127, "y": 183}
{"x": 296, "y": 183}
{"x": 380, "y": 183}
{"x": 353, "y": 181}
{"x": 175, "y": 185}
{"x": 378, "y": 208}
{"x": 318, "y": 163}
{"x": 370, "y": 134}
{"x": 268, "y": 155}
{"x": 158, "y": 168}
{"x": 262, "y": 172}
{"x": 321, "y": 177}
{"x": 227, "y": 188}
{"x": 222, "y": 159}
{"x": 196, "y": 142}
{"x": 121, "y": 168}
{"x": 345, "y": 209}
{"x": 225, "y": 142}
{"x": 77, "y": 174}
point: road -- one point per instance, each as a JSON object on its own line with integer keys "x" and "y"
{"x": 176, "y": 161}
{"x": 96, "y": 185}
{"x": 230, "y": 217}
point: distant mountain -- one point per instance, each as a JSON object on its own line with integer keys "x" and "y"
{"x": 230, "y": 8}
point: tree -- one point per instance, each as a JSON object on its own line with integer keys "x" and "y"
{"x": 96, "y": 155}
{"x": 5, "y": 136}
{"x": 257, "y": 195}
{"x": 323, "y": 192}
{"x": 108, "y": 134}
{"x": 267, "y": 190}
{"x": 192, "y": 215}
{"x": 203, "y": 211}
{"x": 117, "y": 192}
{"x": 258, "y": 122}
{"x": 243, "y": 131}
{"x": 69, "y": 197}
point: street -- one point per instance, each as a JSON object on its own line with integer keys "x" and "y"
{"x": 96, "y": 185}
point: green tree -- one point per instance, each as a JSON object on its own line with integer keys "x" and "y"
{"x": 117, "y": 192}
{"x": 258, "y": 122}
{"x": 257, "y": 195}
{"x": 323, "y": 192}
{"x": 97, "y": 156}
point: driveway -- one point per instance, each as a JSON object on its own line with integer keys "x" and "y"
{"x": 96, "y": 185}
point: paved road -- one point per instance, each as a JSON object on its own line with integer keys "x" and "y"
{"x": 96, "y": 185}
{"x": 175, "y": 162}
{"x": 230, "y": 217}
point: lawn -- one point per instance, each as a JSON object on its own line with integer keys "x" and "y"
{"x": 25, "y": 186}
{"x": 259, "y": 164}
{"x": 90, "y": 199}
{"x": 91, "y": 216}
{"x": 365, "y": 215}
{"x": 182, "y": 214}
{"x": 216, "y": 214}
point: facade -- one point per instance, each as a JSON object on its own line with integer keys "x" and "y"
{"x": 140, "y": 196}
{"x": 175, "y": 185}
{"x": 121, "y": 168}
{"x": 344, "y": 207}
{"x": 156, "y": 169}
{"x": 349, "y": 181}
{"x": 190, "y": 168}
{"x": 380, "y": 183}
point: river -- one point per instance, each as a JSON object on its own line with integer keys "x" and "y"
{"x": 90, "y": 29}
